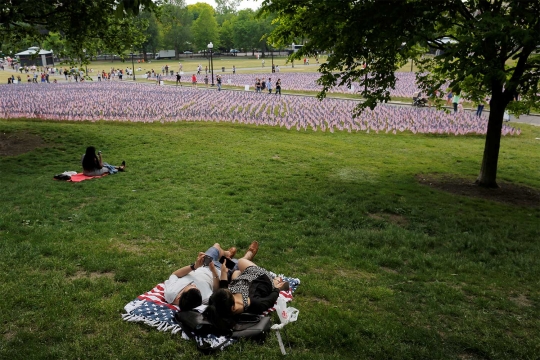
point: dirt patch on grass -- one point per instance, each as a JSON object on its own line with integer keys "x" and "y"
{"x": 388, "y": 270}
{"x": 9, "y": 336}
{"x": 355, "y": 274}
{"x": 91, "y": 276}
{"x": 130, "y": 248}
{"x": 395, "y": 219}
{"x": 507, "y": 193}
{"x": 522, "y": 301}
{"x": 13, "y": 144}
{"x": 320, "y": 301}
{"x": 469, "y": 357}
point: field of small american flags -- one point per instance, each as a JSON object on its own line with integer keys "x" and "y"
{"x": 405, "y": 82}
{"x": 120, "y": 101}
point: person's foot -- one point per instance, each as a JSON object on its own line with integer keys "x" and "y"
{"x": 231, "y": 252}
{"x": 252, "y": 251}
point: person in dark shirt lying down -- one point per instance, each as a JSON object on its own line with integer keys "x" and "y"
{"x": 251, "y": 289}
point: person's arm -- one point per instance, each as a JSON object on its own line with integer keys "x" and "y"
{"x": 100, "y": 160}
{"x": 188, "y": 268}
{"x": 223, "y": 279}
{"x": 258, "y": 305}
{"x": 215, "y": 276}
{"x": 262, "y": 295}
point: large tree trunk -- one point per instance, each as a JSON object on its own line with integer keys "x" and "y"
{"x": 488, "y": 172}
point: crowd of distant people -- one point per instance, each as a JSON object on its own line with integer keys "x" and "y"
{"x": 48, "y": 74}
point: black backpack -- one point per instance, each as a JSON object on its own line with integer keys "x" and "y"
{"x": 247, "y": 325}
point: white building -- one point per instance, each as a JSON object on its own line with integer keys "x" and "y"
{"x": 35, "y": 56}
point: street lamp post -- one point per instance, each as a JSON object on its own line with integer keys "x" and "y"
{"x": 272, "y": 52}
{"x": 293, "y": 54}
{"x": 85, "y": 65}
{"x": 210, "y": 47}
{"x": 133, "y": 65}
{"x": 208, "y": 57}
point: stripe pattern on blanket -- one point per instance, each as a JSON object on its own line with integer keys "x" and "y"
{"x": 151, "y": 308}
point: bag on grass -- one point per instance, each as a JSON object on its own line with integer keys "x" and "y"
{"x": 247, "y": 325}
{"x": 64, "y": 177}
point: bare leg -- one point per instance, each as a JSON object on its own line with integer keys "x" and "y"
{"x": 235, "y": 274}
{"x": 221, "y": 252}
{"x": 243, "y": 264}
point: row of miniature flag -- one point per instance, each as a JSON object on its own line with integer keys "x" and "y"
{"x": 119, "y": 101}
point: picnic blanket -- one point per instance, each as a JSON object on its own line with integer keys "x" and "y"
{"x": 80, "y": 177}
{"x": 151, "y": 309}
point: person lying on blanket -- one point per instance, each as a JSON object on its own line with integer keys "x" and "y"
{"x": 252, "y": 289}
{"x": 93, "y": 164}
{"x": 192, "y": 285}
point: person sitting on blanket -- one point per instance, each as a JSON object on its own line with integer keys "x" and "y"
{"x": 192, "y": 285}
{"x": 252, "y": 289}
{"x": 93, "y": 164}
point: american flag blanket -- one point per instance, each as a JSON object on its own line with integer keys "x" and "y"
{"x": 151, "y": 308}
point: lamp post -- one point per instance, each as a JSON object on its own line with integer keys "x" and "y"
{"x": 293, "y": 54}
{"x": 85, "y": 65}
{"x": 272, "y": 52}
{"x": 365, "y": 76}
{"x": 208, "y": 57}
{"x": 133, "y": 65}
{"x": 210, "y": 47}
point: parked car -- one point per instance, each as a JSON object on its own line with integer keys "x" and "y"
{"x": 234, "y": 51}
{"x": 188, "y": 52}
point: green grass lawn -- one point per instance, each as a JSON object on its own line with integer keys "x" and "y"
{"x": 390, "y": 269}
{"x": 244, "y": 64}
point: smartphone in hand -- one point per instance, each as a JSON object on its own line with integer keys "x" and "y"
{"x": 207, "y": 260}
{"x": 228, "y": 262}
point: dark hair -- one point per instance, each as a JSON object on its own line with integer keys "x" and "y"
{"x": 190, "y": 299}
{"x": 219, "y": 310}
{"x": 285, "y": 287}
{"x": 90, "y": 160}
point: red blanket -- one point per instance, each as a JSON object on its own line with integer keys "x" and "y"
{"x": 81, "y": 177}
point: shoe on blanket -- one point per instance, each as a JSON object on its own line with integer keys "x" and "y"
{"x": 232, "y": 252}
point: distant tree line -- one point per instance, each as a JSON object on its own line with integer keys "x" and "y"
{"x": 137, "y": 26}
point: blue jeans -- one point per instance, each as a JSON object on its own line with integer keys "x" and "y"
{"x": 214, "y": 254}
{"x": 479, "y": 110}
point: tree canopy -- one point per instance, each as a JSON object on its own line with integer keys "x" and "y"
{"x": 175, "y": 24}
{"x": 73, "y": 19}
{"x": 486, "y": 48}
{"x": 205, "y": 26}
